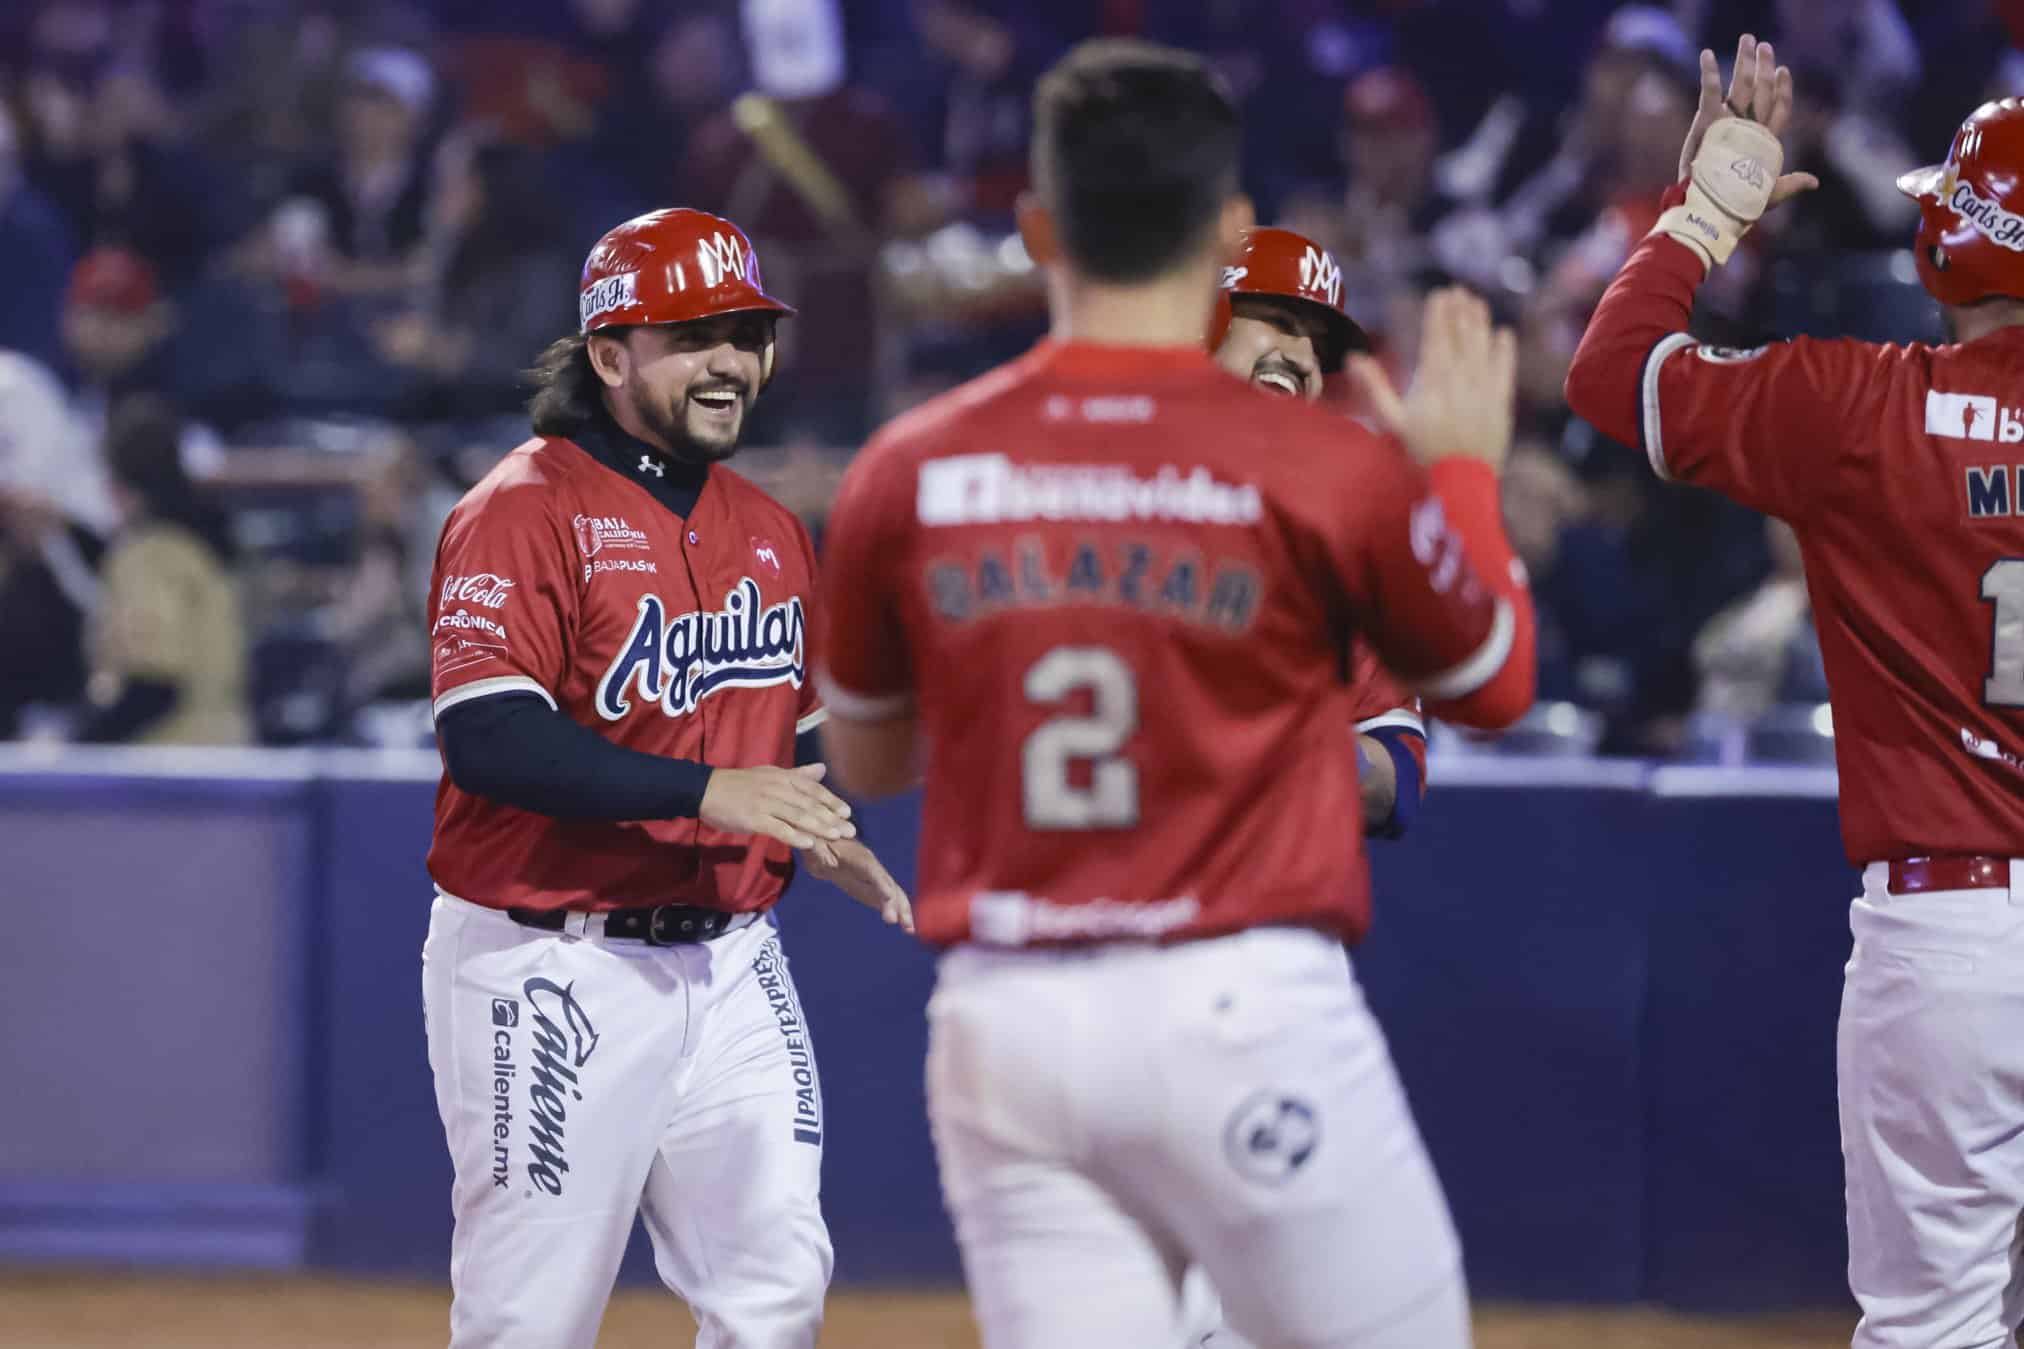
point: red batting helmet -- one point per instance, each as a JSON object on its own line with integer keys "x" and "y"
{"x": 673, "y": 266}
{"x": 1971, "y": 235}
{"x": 1282, "y": 265}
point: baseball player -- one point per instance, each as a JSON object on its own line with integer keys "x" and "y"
{"x": 1281, "y": 324}
{"x": 1897, "y": 467}
{"x": 1105, "y": 593}
{"x": 619, "y": 625}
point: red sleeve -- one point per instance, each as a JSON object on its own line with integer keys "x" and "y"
{"x": 1376, "y": 700}
{"x": 863, "y": 667}
{"x": 1764, "y": 427}
{"x": 502, "y": 601}
{"x": 1431, "y": 580}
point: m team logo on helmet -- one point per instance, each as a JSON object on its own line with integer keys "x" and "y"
{"x": 672, "y": 266}
{"x": 721, "y": 256}
{"x": 1319, "y": 273}
{"x": 602, "y": 297}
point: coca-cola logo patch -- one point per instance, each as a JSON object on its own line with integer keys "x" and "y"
{"x": 486, "y": 589}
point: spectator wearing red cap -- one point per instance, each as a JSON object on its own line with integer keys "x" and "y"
{"x": 117, "y": 326}
{"x": 119, "y": 333}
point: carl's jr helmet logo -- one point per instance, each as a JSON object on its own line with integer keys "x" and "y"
{"x": 613, "y": 292}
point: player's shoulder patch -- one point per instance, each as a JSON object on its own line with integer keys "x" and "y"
{"x": 1728, "y": 355}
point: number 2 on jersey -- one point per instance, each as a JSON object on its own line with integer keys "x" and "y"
{"x": 2003, "y": 586}
{"x": 1111, "y": 800}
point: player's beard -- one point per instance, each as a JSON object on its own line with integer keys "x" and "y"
{"x": 686, "y": 430}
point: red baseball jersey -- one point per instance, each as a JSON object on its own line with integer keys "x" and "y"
{"x": 1119, "y": 588}
{"x": 1899, "y": 468}
{"x": 563, "y": 575}
{"x": 1378, "y": 701}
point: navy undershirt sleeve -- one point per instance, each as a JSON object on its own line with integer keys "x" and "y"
{"x": 1406, "y": 801}
{"x": 514, "y": 749}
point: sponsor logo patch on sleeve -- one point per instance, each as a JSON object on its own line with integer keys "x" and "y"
{"x": 1963, "y": 416}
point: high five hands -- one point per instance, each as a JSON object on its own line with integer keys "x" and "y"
{"x": 1760, "y": 90}
{"x": 1732, "y": 157}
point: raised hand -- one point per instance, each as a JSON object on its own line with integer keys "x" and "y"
{"x": 1462, "y": 396}
{"x": 1760, "y": 90}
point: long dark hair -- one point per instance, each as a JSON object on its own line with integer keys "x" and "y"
{"x": 568, "y": 395}
{"x": 144, "y": 451}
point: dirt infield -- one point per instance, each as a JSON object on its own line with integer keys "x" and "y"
{"x": 86, "y": 1311}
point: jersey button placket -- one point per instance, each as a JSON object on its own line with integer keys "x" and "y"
{"x": 699, "y": 592}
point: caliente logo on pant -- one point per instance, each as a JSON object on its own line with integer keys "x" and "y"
{"x": 564, "y": 1040}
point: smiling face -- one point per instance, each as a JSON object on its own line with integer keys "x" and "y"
{"x": 1276, "y": 345}
{"x": 686, "y": 385}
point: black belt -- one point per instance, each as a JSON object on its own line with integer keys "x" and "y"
{"x": 666, "y": 925}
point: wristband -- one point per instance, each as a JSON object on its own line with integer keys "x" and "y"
{"x": 1728, "y": 188}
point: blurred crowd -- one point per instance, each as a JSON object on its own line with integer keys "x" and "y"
{"x": 273, "y": 268}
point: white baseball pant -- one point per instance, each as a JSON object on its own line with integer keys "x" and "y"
{"x": 1930, "y": 1056}
{"x": 582, "y": 1081}
{"x": 1106, "y": 1116}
